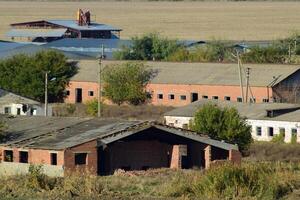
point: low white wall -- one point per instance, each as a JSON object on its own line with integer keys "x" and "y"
{"x": 12, "y": 168}
{"x": 264, "y": 124}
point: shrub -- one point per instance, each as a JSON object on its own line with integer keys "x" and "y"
{"x": 222, "y": 124}
{"x": 279, "y": 138}
{"x": 92, "y": 107}
{"x": 259, "y": 181}
{"x": 294, "y": 139}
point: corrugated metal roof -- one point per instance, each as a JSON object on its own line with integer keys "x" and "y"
{"x": 88, "y": 46}
{"x": 93, "y": 26}
{"x": 262, "y": 75}
{"x": 61, "y": 133}
{"x": 6, "y": 45}
{"x": 31, "y": 49}
{"x": 33, "y": 33}
{"x": 250, "y": 111}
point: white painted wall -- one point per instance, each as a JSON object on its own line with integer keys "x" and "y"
{"x": 264, "y": 124}
{"x": 38, "y": 110}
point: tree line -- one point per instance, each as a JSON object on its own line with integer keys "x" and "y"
{"x": 153, "y": 46}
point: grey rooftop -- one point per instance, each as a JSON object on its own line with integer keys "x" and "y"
{"x": 58, "y": 133}
{"x": 200, "y": 73}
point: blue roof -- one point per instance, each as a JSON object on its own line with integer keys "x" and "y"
{"x": 89, "y": 47}
{"x": 6, "y": 46}
{"x": 36, "y": 32}
{"x": 92, "y": 27}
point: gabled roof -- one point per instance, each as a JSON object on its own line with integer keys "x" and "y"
{"x": 7, "y": 97}
{"x": 61, "y": 133}
{"x": 250, "y": 111}
{"x": 261, "y": 75}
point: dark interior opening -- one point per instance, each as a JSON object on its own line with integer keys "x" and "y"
{"x": 194, "y": 97}
{"x": 23, "y": 157}
{"x": 8, "y": 156}
{"x": 80, "y": 158}
{"x": 78, "y": 95}
{"x": 53, "y": 157}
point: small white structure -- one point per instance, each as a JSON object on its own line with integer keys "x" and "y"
{"x": 266, "y": 119}
{"x": 13, "y": 104}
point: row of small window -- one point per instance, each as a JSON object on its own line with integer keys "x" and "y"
{"x": 271, "y": 131}
{"x": 90, "y": 93}
{"x": 226, "y": 98}
{"x": 80, "y": 158}
{"x": 23, "y": 157}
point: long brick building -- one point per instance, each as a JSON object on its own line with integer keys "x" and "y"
{"x": 178, "y": 84}
{"x": 105, "y": 145}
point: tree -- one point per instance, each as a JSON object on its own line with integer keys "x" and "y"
{"x": 148, "y": 47}
{"x": 126, "y": 82}
{"x": 2, "y": 128}
{"x": 222, "y": 124}
{"x": 25, "y": 75}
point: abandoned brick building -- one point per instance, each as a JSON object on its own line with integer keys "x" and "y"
{"x": 178, "y": 84}
{"x": 102, "y": 146}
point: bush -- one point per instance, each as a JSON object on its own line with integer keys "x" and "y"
{"x": 148, "y": 47}
{"x": 92, "y": 107}
{"x": 279, "y": 138}
{"x": 259, "y": 181}
{"x": 222, "y": 124}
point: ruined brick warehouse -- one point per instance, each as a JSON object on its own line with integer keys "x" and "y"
{"x": 103, "y": 146}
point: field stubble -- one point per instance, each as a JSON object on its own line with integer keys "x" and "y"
{"x": 181, "y": 20}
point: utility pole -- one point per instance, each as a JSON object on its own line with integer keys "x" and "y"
{"x": 240, "y": 76}
{"x": 46, "y": 94}
{"x": 99, "y": 81}
{"x": 247, "y": 82}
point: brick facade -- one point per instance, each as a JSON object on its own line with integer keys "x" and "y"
{"x": 167, "y": 90}
{"x": 90, "y": 148}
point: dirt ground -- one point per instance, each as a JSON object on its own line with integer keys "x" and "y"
{"x": 181, "y": 20}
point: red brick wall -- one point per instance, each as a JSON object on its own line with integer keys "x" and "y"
{"x": 36, "y": 156}
{"x": 209, "y": 90}
{"x": 86, "y": 87}
{"x": 90, "y": 148}
{"x": 235, "y": 156}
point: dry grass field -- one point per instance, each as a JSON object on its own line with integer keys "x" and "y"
{"x": 181, "y": 20}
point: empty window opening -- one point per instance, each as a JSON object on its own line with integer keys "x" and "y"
{"x": 182, "y": 97}
{"x": 204, "y": 97}
{"x": 78, "y": 95}
{"x": 7, "y": 110}
{"x": 239, "y": 99}
{"x": 8, "y": 156}
{"x": 160, "y": 96}
{"x": 258, "y": 131}
{"x": 91, "y": 93}
{"x": 171, "y": 96}
{"x": 215, "y": 97}
{"x": 80, "y": 158}
{"x": 282, "y": 131}
{"x": 294, "y": 131}
{"x": 227, "y": 98}
{"x": 270, "y": 131}
{"x": 252, "y": 100}
{"x": 18, "y": 111}
{"x": 194, "y": 97}
{"x": 265, "y": 100}
{"x": 23, "y": 157}
{"x": 53, "y": 157}
{"x": 68, "y": 92}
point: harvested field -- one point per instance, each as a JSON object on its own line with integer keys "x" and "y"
{"x": 182, "y": 20}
